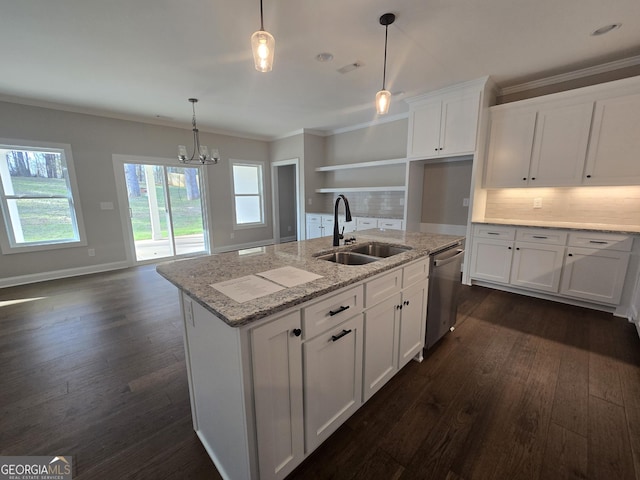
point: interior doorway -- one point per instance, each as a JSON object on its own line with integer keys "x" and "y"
{"x": 286, "y": 200}
{"x": 165, "y": 209}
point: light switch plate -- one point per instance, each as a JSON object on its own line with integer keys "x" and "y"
{"x": 537, "y": 202}
{"x": 106, "y": 205}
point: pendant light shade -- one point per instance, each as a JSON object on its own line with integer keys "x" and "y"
{"x": 383, "y": 97}
{"x": 263, "y": 45}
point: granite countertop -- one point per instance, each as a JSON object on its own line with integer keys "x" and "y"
{"x": 591, "y": 227}
{"x": 194, "y": 276}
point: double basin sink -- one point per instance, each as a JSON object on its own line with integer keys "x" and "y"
{"x": 363, "y": 254}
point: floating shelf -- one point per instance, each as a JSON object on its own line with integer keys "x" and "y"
{"x": 348, "y": 166}
{"x": 394, "y": 188}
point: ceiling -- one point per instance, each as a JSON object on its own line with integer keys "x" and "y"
{"x": 143, "y": 59}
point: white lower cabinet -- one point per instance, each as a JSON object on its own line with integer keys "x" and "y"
{"x": 594, "y": 274}
{"x": 381, "y": 333}
{"x": 537, "y": 266}
{"x": 332, "y": 380}
{"x": 491, "y": 259}
{"x": 277, "y": 387}
{"x": 413, "y": 312}
{"x": 583, "y": 265}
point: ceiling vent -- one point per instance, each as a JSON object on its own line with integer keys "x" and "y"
{"x": 351, "y": 67}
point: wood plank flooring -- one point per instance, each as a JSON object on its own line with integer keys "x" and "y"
{"x": 94, "y": 367}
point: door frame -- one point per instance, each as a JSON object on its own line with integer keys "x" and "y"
{"x": 276, "y": 198}
{"x": 123, "y": 203}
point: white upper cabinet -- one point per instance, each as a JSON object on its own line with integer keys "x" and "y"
{"x": 443, "y": 125}
{"x": 615, "y": 142}
{"x": 510, "y": 145}
{"x": 563, "y": 140}
{"x": 560, "y": 145}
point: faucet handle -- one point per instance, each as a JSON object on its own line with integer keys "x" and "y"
{"x": 341, "y": 234}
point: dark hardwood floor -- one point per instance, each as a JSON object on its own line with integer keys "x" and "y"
{"x": 94, "y": 367}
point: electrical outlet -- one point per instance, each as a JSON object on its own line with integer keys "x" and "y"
{"x": 289, "y": 228}
{"x": 106, "y": 205}
{"x": 92, "y": 252}
{"x": 537, "y": 202}
{"x": 465, "y": 202}
{"x": 310, "y": 201}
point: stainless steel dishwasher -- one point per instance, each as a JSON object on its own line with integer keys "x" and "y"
{"x": 444, "y": 283}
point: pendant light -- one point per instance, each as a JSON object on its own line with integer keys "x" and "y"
{"x": 383, "y": 97}
{"x": 202, "y": 151}
{"x": 263, "y": 45}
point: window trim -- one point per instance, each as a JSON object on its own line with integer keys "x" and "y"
{"x": 7, "y": 240}
{"x": 248, "y": 163}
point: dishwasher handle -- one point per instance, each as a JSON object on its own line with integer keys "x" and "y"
{"x": 439, "y": 262}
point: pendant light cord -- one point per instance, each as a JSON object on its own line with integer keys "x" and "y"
{"x": 261, "y": 17}
{"x": 384, "y": 69}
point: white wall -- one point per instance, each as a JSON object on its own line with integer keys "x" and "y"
{"x": 93, "y": 141}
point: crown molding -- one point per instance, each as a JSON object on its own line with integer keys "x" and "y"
{"x": 577, "y": 74}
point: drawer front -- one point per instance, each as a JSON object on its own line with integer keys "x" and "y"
{"x": 415, "y": 272}
{"x": 363, "y": 223}
{"x": 331, "y": 311}
{"x": 611, "y": 241}
{"x": 314, "y": 218}
{"x": 492, "y": 231}
{"x": 383, "y": 287}
{"x": 550, "y": 237}
{"x": 391, "y": 224}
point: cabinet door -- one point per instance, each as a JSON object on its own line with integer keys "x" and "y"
{"x": 510, "y": 146}
{"x": 491, "y": 259}
{"x": 615, "y": 142}
{"x": 413, "y": 319}
{"x": 560, "y": 146}
{"x": 459, "y": 124}
{"x": 327, "y": 225}
{"x": 314, "y": 226}
{"x": 537, "y": 266}
{"x": 277, "y": 386}
{"x": 424, "y": 130}
{"x": 364, "y": 223}
{"x": 332, "y": 380}
{"x": 381, "y": 330}
{"x": 594, "y": 274}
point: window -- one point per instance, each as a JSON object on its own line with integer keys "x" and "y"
{"x": 37, "y": 193}
{"x": 248, "y": 198}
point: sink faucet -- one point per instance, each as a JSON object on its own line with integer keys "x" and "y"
{"x": 337, "y": 235}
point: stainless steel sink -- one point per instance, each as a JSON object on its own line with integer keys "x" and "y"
{"x": 381, "y": 250}
{"x": 348, "y": 258}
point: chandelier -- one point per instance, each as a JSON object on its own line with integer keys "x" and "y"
{"x": 201, "y": 153}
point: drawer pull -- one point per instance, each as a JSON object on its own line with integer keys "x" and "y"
{"x": 570, "y": 255}
{"x": 340, "y": 335}
{"x": 340, "y": 310}
{"x": 540, "y": 236}
{"x": 598, "y": 242}
{"x": 493, "y": 233}
{"x": 297, "y": 332}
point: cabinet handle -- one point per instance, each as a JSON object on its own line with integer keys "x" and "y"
{"x": 440, "y": 148}
{"x": 533, "y": 178}
{"x": 509, "y": 248}
{"x": 493, "y": 233}
{"x": 539, "y": 236}
{"x": 340, "y": 310}
{"x": 406, "y": 302}
{"x": 517, "y": 248}
{"x": 588, "y": 176}
{"x": 340, "y": 335}
{"x": 297, "y": 332}
{"x": 570, "y": 255}
{"x": 524, "y": 178}
{"x": 598, "y": 242}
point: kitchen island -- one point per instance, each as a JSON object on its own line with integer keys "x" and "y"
{"x": 272, "y": 377}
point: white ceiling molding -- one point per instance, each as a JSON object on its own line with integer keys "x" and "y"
{"x": 577, "y": 74}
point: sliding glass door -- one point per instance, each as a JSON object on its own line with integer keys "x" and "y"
{"x": 166, "y": 210}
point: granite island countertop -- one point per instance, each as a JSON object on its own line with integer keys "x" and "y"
{"x": 592, "y": 227}
{"x": 195, "y": 276}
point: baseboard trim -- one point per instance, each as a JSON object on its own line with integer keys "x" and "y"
{"x": 58, "y": 274}
{"x": 545, "y": 296}
{"x": 242, "y": 246}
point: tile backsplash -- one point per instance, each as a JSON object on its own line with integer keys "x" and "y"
{"x": 598, "y": 205}
{"x": 383, "y": 204}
